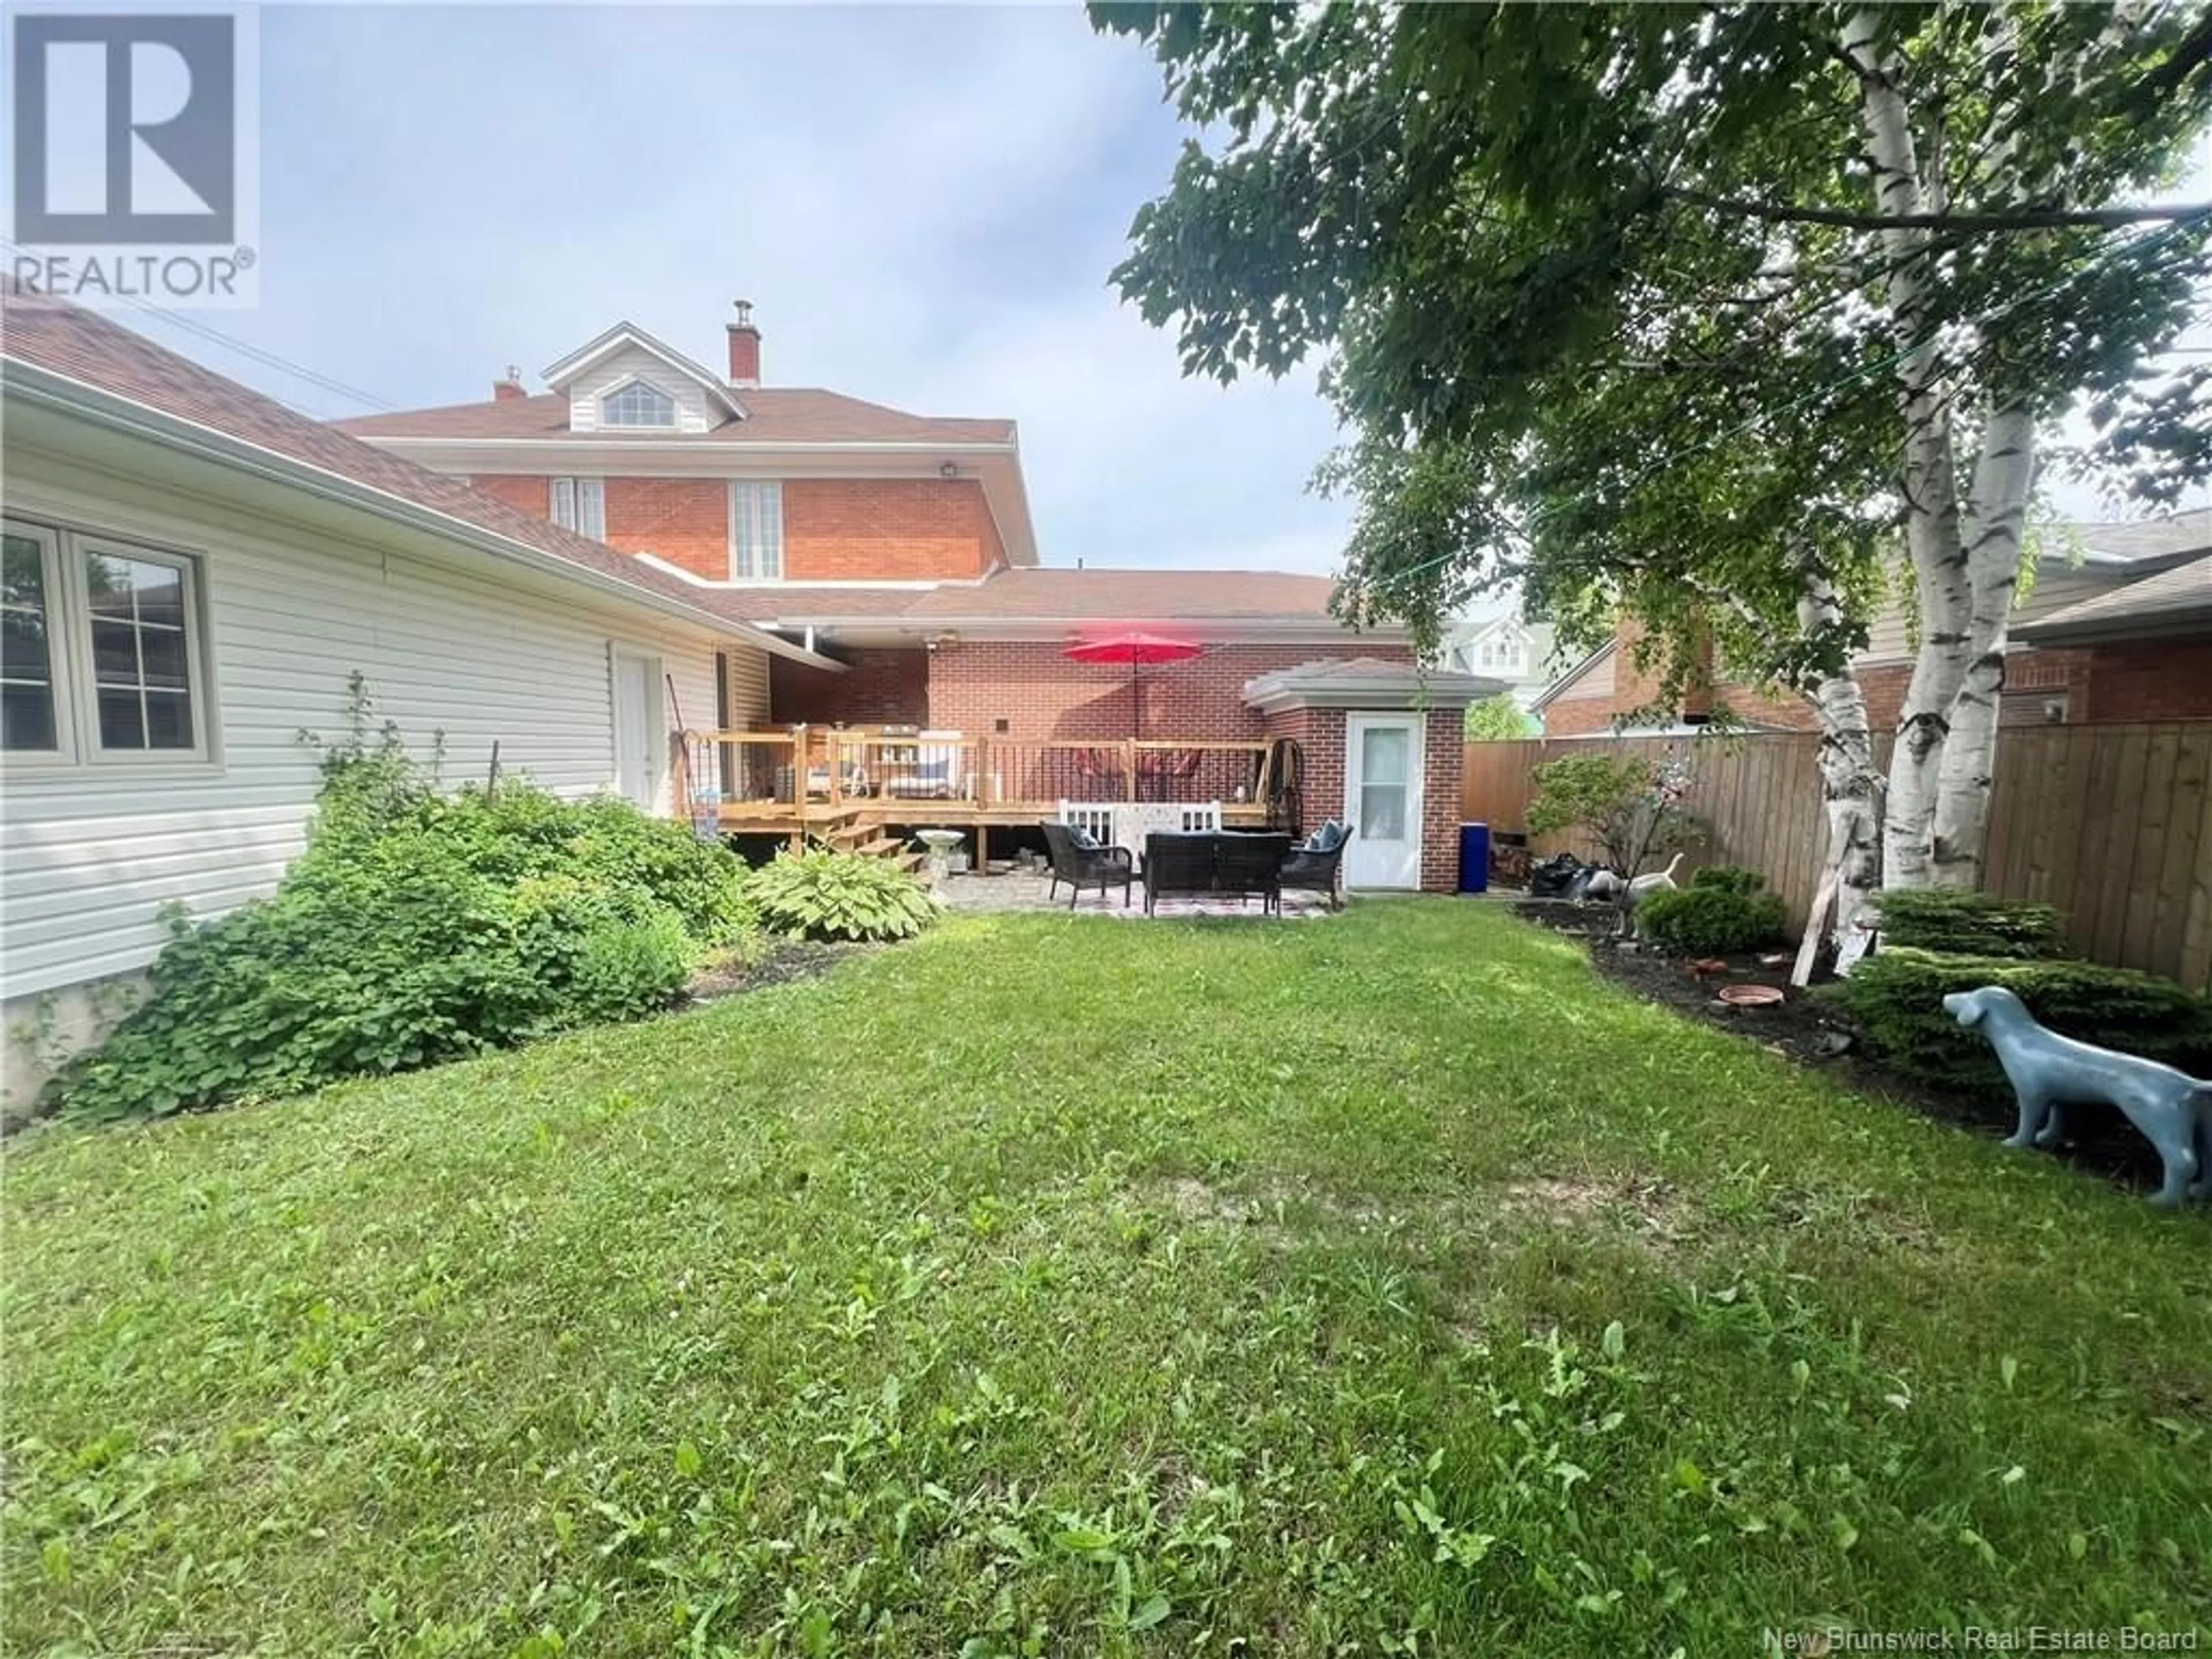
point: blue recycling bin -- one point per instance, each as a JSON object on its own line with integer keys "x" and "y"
{"x": 1474, "y": 858}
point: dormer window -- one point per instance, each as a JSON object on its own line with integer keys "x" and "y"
{"x": 637, "y": 404}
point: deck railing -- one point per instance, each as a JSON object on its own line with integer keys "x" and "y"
{"x": 808, "y": 770}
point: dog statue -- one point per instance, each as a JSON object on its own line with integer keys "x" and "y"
{"x": 2048, "y": 1071}
{"x": 1641, "y": 888}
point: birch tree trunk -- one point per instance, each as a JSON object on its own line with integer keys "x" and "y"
{"x": 1849, "y": 788}
{"x": 1928, "y": 476}
{"x": 1996, "y": 519}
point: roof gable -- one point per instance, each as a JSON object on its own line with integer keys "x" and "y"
{"x": 628, "y": 335}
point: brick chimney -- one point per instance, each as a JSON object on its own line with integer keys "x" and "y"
{"x": 744, "y": 347}
{"x": 510, "y": 387}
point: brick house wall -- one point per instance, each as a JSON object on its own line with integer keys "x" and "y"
{"x": 881, "y": 687}
{"x": 1321, "y": 732}
{"x": 2150, "y": 680}
{"x": 1444, "y": 750}
{"x": 887, "y": 530}
{"x": 2132, "y": 680}
{"x": 1043, "y": 696}
{"x": 1605, "y": 697}
{"x": 834, "y": 529}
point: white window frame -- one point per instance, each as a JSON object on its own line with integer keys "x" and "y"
{"x": 607, "y": 402}
{"x": 580, "y": 505}
{"x": 59, "y": 656}
{"x": 748, "y": 500}
{"x": 68, "y": 644}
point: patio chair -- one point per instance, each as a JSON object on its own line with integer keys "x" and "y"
{"x": 1082, "y": 867}
{"x": 1316, "y": 864}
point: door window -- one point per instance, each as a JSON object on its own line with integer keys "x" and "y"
{"x": 1385, "y": 754}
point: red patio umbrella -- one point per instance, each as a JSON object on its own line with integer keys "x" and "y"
{"x": 1132, "y": 649}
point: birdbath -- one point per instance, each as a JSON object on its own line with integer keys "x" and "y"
{"x": 940, "y": 843}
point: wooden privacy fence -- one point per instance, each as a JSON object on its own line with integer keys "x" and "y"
{"x": 2110, "y": 824}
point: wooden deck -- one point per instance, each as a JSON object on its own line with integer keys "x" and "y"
{"x": 831, "y": 782}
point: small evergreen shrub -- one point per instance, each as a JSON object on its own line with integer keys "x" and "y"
{"x": 1972, "y": 924}
{"x": 1896, "y": 999}
{"x": 417, "y": 928}
{"x": 1729, "y": 878}
{"x": 824, "y": 894}
{"x": 1724, "y": 910}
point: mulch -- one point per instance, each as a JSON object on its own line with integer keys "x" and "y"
{"x": 1808, "y": 1031}
{"x": 784, "y": 962}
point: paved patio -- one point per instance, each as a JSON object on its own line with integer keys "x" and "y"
{"x": 1023, "y": 889}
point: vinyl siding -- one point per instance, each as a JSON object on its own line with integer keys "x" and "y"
{"x": 464, "y": 646}
{"x": 693, "y": 413}
{"x": 1889, "y": 637}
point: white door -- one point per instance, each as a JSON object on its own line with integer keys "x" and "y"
{"x": 637, "y": 729}
{"x": 1382, "y": 797}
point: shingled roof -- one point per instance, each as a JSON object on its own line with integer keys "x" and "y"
{"x": 774, "y": 415}
{"x": 2174, "y": 601}
{"x": 1054, "y": 599}
{"x": 85, "y": 347}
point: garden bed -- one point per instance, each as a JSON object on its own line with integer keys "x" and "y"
{"x": 1805, "y": 1028}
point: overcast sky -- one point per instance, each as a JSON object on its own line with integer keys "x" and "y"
{"x": 923, "y": 204}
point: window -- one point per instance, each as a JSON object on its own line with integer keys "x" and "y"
{"x": 99, "y": 649}
{"x": 756, "y": 531}
{"x": 140, "y": 659}
{"x": 580, "y": 505}
{"x": 637, "y": 404}
{"x": 1505, "y": 652}
{"x": 29, "y": 716}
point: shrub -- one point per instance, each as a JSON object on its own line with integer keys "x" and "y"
{"x": 1729, "y": 878}
{"x": 825, "y": 894}
{"x": 1629, "y": 806}
{"x": 417, "y": 928}
{"x": 1972, "y": 924}
{"x": 1896, "y": 998}
{"x": 1714, "y": 918}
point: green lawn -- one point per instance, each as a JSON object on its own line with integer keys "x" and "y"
{"x": 1062, "y": 1286}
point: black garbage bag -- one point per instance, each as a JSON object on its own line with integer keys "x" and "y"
{"x": 1552, "y": 878}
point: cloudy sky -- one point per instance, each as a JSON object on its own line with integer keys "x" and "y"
{"x": 923, "y": 205}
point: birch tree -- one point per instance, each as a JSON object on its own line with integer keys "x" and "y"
{"x": 1735, "y": 319}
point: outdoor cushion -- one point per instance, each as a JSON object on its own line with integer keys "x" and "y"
{"x": 1084, "y": 839}
{"x": 1326, "y": 839}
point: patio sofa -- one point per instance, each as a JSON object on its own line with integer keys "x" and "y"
{"x": 1214, "y": 864}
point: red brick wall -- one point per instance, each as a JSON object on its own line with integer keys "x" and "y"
{"x": 1636, "y": 687}
{"x": 524, "y": 492}
{"x": 887, "y": 529}
{"x": 2149, "y": 680}
{"x": 685, "y": 521}
{"x": 1043, "y": 696}
{"x": 880, "y": 688}
{"x": 1320, "y": 734}
{"x": 1440, "y": 778}
{"x": 834, "y": 529}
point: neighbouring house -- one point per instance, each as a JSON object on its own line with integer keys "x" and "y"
{"x": 194, "y": 574}
{"x": 900, "y": 548}
{"x": 1505, "y": 646}
{"x": 2116, "y": 626}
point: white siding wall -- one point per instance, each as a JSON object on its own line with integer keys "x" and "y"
{"x": 693, "y": 411}
{"x": 469, "y": 646}
{"x": 748, "y": 690}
